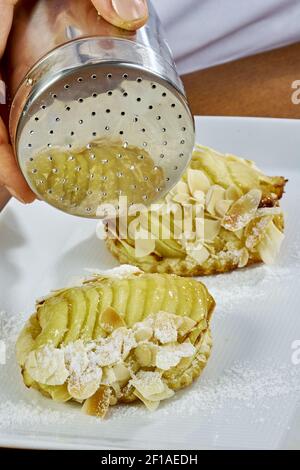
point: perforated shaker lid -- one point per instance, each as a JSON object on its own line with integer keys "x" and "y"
{"x": 102, "y": 131}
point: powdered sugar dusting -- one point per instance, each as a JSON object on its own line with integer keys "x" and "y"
{"x": 119, "y": 272}
{"x": 238, "y": 387}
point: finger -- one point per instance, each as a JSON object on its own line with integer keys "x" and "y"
{"x": 126, "y": 14}
{"x": 6, "y": 16}
{"x": 10, "y": 173}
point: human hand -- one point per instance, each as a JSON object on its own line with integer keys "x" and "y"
{"x": 126, "y": 14}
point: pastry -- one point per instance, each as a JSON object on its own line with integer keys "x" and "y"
{"x": 117, "y": 338}
{"x": 237, "y": 205}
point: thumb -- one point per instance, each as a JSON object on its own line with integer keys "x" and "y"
{"x": 126, "y": 14}
{"x": 10, "y": 174}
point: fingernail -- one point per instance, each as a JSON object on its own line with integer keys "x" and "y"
{"x": 130, "y": 10}
{"x": 14, "y": 194}
{"x": 2, "y": 92}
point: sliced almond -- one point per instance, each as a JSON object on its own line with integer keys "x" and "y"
{"x": 143, "y": 354}
{"x": 150, "y": 405}
{"x": 223, "y": 206}
{"x": 244, "y": 258}
{"x": 198, "y": 252}
{"x": 197, "y": 181}
{"x": 268, "y": 211}
{"x": 211, "y": 229}
{"x": 215, "y": 194}
{"x": 98, "y": 404}
{"x": 186, "y": 326}
{"x": 109, "y": 350}
{"x": 129, "y": 342}
{"x": 84, "y": 386}
{"x": 239, "y": 233}
{"x": 233, "y": 192}
{"x": 117, "y": 392}
{"x": 181, "y": 198}
{"x": 76, "y": 357}
{"x": 143, "y": 333}
{"x": 167, "y": 393}
{"x": 199, "y": 196}
{"x": 121, "y": 372}
{"x": 269, "y": 246}
{"x": 165, "y": 327}
{"x": 242, "y": 211}
{"x": 254, "y": 231}
{"x": 108, "y": 376}
{"x": 181, "y": 188}
{"x": 170, "y": 355}
{"x": 110, "y": 320}
{"x": 144, "y": 247}
{"x": 47, "y": 366}
{"x": 148, "y": 383}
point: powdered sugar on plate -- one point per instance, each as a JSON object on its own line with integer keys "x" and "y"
{"x": 242, "y": 385}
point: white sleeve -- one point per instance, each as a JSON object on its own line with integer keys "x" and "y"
{"x": 203, "y": 33}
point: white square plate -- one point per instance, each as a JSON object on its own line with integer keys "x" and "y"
{"x": 247, "y": 396}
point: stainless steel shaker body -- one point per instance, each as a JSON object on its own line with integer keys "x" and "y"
{"x": 82, "y": 88}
